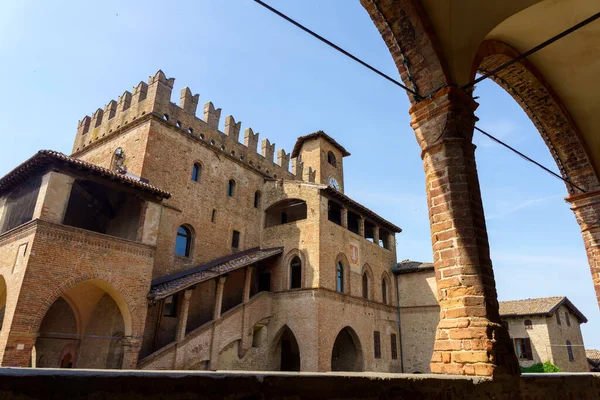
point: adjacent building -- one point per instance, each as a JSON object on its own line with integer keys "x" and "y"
{"x": 546, "y": 329}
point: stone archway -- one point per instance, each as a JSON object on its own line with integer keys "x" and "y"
{"x": 346, "y": 354}
{"x": 285, "y": 354}
{"x": 83, "y": 329}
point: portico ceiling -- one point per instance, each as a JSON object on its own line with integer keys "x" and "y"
{"x": 571, "y": 66}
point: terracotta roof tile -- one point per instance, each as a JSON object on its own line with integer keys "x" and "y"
{"x": 318, "y": 134}
{"x": 43, "y": 158}
{"x": 408, "y": 266}
{"x": 167, "y": 285}
{"x": 540, "y": 306}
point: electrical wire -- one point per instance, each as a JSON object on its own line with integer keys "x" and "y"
{"x": 500, "y": 142}
{"x": 533, "y": 50}
{"x": 484, "y": 76}
{"x": 336, "y": 47}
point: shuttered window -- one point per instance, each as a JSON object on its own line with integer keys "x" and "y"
{"x": 523, "y": 349}
{"x": 394, "y": 346}
{"x": 377, "y": 344}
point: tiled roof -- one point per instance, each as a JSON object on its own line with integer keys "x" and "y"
{"x": 360, "y": 208}
{"x": 593, "y": 354}
{"x": 318, "y": 134}
{"x": 167, "y": 285}
{"x": 540, "y": 306}
{"x": 408, "y": 266}
{"x": 43, "y": 158}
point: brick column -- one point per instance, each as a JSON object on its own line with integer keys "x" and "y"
{"x": 247, "y": 283}
{"x": 361, "y": 227}
{"x": 376, "y": 235}
{"x": 219, "y": 297}
{"x": 345, "y": 218}
{"x": 586, "y": 207}
{"x": 53, "y": 197}
{"x": 470, "y": 339}
{"x": 131, "y": 351}
{"x": 183, "y": 315}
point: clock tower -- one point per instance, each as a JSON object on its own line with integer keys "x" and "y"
{"x": 324, "y": 156}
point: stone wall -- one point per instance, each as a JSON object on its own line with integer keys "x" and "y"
{"x": 559, "y": 334}
{"x": 538, "y": 335}
{"x": 116, "y": 385}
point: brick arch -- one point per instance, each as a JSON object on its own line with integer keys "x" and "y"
{"x": 341, "y": 257}
{"x": 286, "y": 267}
{"x": 366, "y": 269}
{"x": 412, "y": 42}
{"x": 129, "y": 312}
{"x": 542, "y": 105}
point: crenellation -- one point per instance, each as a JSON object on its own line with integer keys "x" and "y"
{"x": 140, "y": 92}
{"x": 297, "y": 168}
{"x": 157, "y": 91}
{"x": 268, "y": 149}
{"x": 251, "y": 139}
{"x": 83, "y": 126}
{"x": 283, "y": 159}
{"x": 232, "y": 128}
{"x": 109, "y": 111}
{"x": 97, "y": 118}
{"x": 124, "y": 102}
{"x": 188, "y": 102}
{"x": 212, "y": 115}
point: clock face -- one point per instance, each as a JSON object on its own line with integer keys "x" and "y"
{"x": 334, "y": 183}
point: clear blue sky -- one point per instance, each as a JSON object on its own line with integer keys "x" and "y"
{"x": 62, "y": 60}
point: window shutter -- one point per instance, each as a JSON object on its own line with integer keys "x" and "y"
{"x": 377, "y": 344}
{"x": 528, "y": 352}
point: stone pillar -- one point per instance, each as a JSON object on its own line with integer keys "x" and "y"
{"x": 345, "y": 218}
{"x": 247, "y": 283}
{"x": 131, "y": 351}
{"x": 470, "y": 339}
{"x": 376, "y": 235}
{"x": 183, "y": 315}
{"x": 148, "y": 229}
{"x": 586, "y": 207}
{"x": 361, "y": 227}
{"x": 53, "y": 197}
{"x": 219, "y": 297}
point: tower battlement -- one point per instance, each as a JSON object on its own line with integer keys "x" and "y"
{"x": 154, "y": 97}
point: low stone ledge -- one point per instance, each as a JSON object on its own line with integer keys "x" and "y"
{"x": 96, "y": 384}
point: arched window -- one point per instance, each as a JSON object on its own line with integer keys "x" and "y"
{"x": 256, "y": 199}
{"x": 558, "y": 318}
{"x": 528, "y": 324}
{"x": 567, "y": 318}
{"x": 196, "y": 172}
{"x": 384, "y": 291}
{"x": 340, "y": 278}
{"x": 365, "y": 286}
{"x": 331, "y": 159}
{"x": 570, "y": 351}
{"x": 231, "y": 188}
{"x": 296, "y": 273}
{"x": 183, "y": 244}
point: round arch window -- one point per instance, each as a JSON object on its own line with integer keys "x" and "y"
{"x": 183, "y": 243}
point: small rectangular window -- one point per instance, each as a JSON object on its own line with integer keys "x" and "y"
{"x": 558, "y": 318}
{"x": 567, "y": 318}
{"x": 377, "y": 344}
{"x": 170, "y": 309}
{"x": 213, "y": 217}
{"x": 235, "y": 240}
{"x": 523, "y": 349}
{"x": 394, "y": 346}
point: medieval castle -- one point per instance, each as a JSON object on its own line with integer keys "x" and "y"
{"x": 163, "y": 243}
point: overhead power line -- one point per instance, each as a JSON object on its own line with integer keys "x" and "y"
{"x": 534, "y": 50}
{"x": 486, "y": 75}
{"x": 338, "y": 48}
{"x": 500, "y": 142}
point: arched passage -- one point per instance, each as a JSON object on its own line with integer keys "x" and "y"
{"x": 285, "y": 355}
{"x": 83, "y": 329}
{"x": 347, "y": 352}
